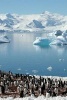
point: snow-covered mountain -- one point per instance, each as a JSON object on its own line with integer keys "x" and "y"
{"x": 46, "y": 21}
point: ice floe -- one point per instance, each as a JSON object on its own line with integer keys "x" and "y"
{"x": 60, "y": 40}
{"x": 4, "y": 39}
{"x": 34, "y": 71}
{"x": 49, "y": 68}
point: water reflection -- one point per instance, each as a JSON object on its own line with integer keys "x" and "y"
{"x": 40, "y": 47}
{"x": 59, "y": 49}
{"x": 3, "y": 48}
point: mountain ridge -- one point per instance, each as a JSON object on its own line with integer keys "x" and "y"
{"x": 35, "y": 22}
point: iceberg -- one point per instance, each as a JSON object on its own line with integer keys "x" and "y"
{"x": 4, "y": 39}
{"x": 58, "y": 33}
{"x": 60, "y": 40}
{"x": 65, "y": 34}
{"x": 52, "y": 39}
{"x": 42, "y": 41}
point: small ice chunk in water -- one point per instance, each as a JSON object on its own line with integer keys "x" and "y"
{"x": 64, "y": 69}
{"x": 49, "y": 68}
{"x": 34, "y": 71}
{"x": 27, "y": 73}
{"x": 61, "y": 60}
{"x": 42, "y": 41}
{"x": 19, "y": 69}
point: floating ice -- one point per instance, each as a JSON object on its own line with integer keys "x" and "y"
{"x": 64, "y": 34}
{"x": 42, "y": 41}
{"x": 34, "y": 71}
{"x": 49, "y": 68}
{"x": 60, "y": 40}
{"x": 58, "y": 33}
{"x": 27, "y": 73}
{"x": 61, "y": 60}
{"x": 4, "y": 39}
{"x": 19, "y": 69}
{"x": 64, "y": 69}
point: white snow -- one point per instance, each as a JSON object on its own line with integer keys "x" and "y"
{"x": 46, "y": 21}
{"x": 38, "y": 98}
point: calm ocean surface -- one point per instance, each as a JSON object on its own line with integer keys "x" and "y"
{"x": 21, "y": 56}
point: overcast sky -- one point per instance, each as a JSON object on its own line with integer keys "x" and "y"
{"x": 33, "y": 6}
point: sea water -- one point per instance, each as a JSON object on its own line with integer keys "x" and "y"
{"x": 21, "y": 56}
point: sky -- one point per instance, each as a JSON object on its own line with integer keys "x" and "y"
{"x": 33, "y": 6}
